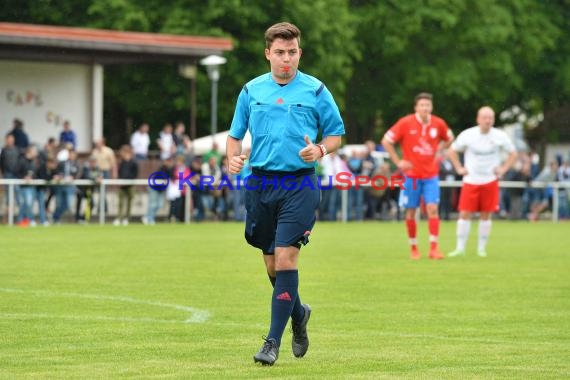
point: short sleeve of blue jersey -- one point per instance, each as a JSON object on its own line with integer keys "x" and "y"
{"x": 329, "y": 115}
{"x": 241, "y": 116}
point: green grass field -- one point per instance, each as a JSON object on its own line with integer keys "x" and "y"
{"x": 174, "y": 301}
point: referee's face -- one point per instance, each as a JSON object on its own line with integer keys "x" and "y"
{"x": 283, "y": 56}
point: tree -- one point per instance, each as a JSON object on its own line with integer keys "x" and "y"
{"x": 467, "y": 53}
{"x": 373, "y": 55}
{"x": 157, "y": 93}
{"x": 548, "y": 78}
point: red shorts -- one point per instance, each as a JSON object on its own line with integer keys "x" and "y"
{"x": 482, "y": 198}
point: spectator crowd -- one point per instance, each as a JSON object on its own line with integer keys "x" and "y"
{"x": 57, "y": 162}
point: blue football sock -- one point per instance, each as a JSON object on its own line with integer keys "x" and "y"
{"x": 298, "y": 312}
{"x": 282, "y": 302}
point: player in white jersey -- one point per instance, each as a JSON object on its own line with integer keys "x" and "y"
{"x": 482, "y": 146}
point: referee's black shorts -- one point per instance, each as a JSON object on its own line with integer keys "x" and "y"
{"x": 280, "y": 208}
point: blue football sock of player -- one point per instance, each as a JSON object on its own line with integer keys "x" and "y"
{"x": 298, "y": 311}
{"x": 282, "y": 302}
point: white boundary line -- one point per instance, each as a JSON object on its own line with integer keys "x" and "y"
{"x": 197, "y": 315}
{"x": 82, "y": 318}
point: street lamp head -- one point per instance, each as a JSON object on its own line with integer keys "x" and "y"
{"x": 213, "y": 60}
{"x": 212, "y": 63}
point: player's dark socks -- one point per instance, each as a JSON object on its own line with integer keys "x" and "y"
{"x": 298, "y": 311}
{"x": 282, "y": 302}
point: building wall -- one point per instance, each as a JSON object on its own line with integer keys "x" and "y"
{"x": 43, "y": 95}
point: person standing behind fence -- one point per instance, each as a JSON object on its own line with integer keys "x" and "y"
{"x": 128, "y": 169}
{"x": 106, "y": 161}
{"x": 180, "y": 171}
{"x": 284, "y": 110}
{"x": 482, "y": 146}
{"x": 157, "y": 195}
{"x": 356, "y": 195}
{"x": 67, "y": 136}
{"x": 544, "y": 199}
{"x": 178, "y": 136}
{"x": 165, "y": 142}
{"x": 238, "y": 194}
{"x": 333, "y": 165}
{"x": 49, "y": 150}
{"x": 211, "y": 197}
{"x": 27, "y": 170}
{"x": 21, "y": 139}
{"x": 369, "y": 166}
{"x": 9, "y": 157}
{"x": 214, "y": 152}
{"x": 421, "y": 136}
{"x": 47, "y": 170}
{"x": 140, "y": 142}
{"x": 9, "y": 164}
{"x": 67, "y": 171}
{"x": 563, "y": 176}
{"x": 92, "y": 173}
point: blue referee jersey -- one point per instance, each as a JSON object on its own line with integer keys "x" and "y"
{"x": 278, "y": 118}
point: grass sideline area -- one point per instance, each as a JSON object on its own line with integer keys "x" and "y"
{"x": 82, "y": 302}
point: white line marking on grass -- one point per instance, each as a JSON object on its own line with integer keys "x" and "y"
{"x": 197, "y": 315}
{"x": 83, "y": 318}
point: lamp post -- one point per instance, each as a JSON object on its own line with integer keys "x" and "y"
{"x": 188, "y": 71}
{"x": 212, "y": 63}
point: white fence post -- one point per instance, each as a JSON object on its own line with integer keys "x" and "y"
{"x": 188, "y": 205}
{"x": 102, "y": 198}
{"x": 555, "y": 203}
{"x": 11, "y": 204}
{"x": 344, "y": 205}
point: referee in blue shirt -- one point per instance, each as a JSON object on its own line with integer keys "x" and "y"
{"x": 284, "y": 110}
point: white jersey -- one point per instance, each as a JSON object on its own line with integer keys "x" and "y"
{"x": 166, "y": 145}
{"x": 482, "y": 153}
{"x": 140, "y": 142}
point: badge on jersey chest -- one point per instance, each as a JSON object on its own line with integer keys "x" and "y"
{"x": 433, "y": 133}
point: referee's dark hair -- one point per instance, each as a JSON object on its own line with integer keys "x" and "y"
{"x": 284, "y": 30}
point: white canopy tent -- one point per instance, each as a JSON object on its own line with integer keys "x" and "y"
{"x": 204, "y": 144}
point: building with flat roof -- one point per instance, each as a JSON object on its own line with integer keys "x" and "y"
{"x": 49, "y": 74}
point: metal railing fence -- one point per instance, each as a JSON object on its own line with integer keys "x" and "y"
{"x": 105, "y": 183}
